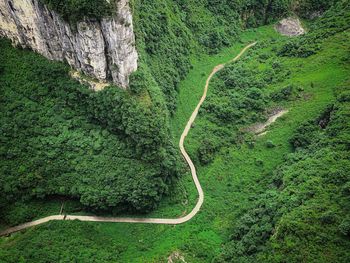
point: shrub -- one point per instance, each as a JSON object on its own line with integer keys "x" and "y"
{"x": 75, "y": 11}
{"x": 206, "y": 151}
{"x": 346, "y": 189}
{"x": 284, "y": 94}
{"x": 270, "y": 144}
{"x": 344, "y": 227}
{"x": 304, "y": 135}
{"x": 300, "y": 47}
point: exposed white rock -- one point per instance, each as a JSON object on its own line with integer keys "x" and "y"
{"x": 94, "y": 84}
{"x": 101, "y": 49}
{"x": 290, "y": 27}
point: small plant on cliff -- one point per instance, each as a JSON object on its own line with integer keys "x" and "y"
{"x": 74, "y": 11}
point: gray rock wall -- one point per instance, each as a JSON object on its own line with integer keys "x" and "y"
{"x": 290, "y": 27}
{"x": 101, "y": 49}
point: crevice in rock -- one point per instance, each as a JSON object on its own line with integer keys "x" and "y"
{"x": 107, "y": 55}
{"x": 10, "y": 4}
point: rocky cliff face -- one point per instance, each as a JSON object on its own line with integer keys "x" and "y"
{"x": 290, "y": 27}
{"x": 102, "y": 49}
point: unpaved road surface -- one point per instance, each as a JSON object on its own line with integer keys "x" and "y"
{"x": 169, "y": 221}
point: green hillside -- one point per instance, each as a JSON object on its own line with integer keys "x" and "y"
{"x": 283, "y": 196}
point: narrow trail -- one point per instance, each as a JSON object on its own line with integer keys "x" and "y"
{"x": 169, "y": 221}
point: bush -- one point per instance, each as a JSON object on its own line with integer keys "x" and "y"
{"x": 344, "y": 227}
{"x": 308, "y": 8}
{"x": 206, "y": 151}
{"x": 74, "y": 11}
{"x": 302, "y": 47}
{"x": 285, "y": 93}
{"x": 346, "y": 189}
{"x": 270, "y": 144}
{"x": 304, "y": 135}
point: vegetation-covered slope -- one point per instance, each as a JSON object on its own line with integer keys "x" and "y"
{"x": 75, "y": 11}
{"x": 109, "y": 149}
{"x": 241, "y": 96}
{"x": 169, "y": 31}
{"x": 280, "y": 197}
{"x": 238, "y": 179}
{"x": 304, "y": 214}
{"x": 67, "y": 149}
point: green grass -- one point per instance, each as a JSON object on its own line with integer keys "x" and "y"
{"x": 34, "y": 209}
{"x": 191, "y": 89}
{"x": 229, "y": 182}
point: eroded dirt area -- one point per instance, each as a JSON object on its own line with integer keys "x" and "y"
{"x": 259, "y": 129}
{"x": 94, "y": 84}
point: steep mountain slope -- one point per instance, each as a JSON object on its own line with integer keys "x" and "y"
{"x": 167, "y": 33}
{"x": 113, "y": 149}
{"x": 59, "y": 138}
{"x": 103, "y": 48}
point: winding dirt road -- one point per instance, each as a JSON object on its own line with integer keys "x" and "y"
{"x": 169, "y": 221}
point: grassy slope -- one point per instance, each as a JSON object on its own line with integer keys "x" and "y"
{"x": 228, "y": 182}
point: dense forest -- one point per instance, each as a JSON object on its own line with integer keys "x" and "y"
{"x": 282, "y": 197}
{"x": 75, "y": 11}
{"x": 60, "y": 138}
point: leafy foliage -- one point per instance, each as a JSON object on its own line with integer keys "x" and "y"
{"x": 284, "y": 94}
{"x": 111, "y": 149}
{"x": 88, "y": 245}
{"x": 335, "y": 20}
{"x": 304, "y": 202}
{"x": 75, "y": 11}
{"x": 164, "y": 44}
{"x": 169, "y": 31}
{"x": 238, "y": 98}
{"x": 312, "y": 8}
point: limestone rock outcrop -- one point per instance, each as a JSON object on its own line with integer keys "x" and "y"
{"x": 101, "y": 49}
{"x": 290, "y": 27}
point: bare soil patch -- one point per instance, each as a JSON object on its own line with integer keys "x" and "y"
{"x": 96, "y": 85}
{"x": 259, "y": 128}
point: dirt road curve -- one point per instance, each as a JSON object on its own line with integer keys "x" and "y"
{"x": 169, "y": 221}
